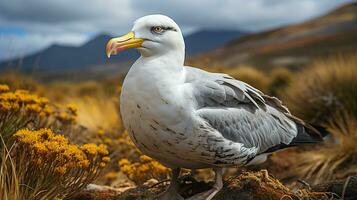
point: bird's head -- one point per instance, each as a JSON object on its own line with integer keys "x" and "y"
{"x": 151, "y": 35}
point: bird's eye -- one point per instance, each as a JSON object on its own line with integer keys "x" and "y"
{"x": 157, "y": 29}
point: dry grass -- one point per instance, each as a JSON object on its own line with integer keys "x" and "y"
{"x": 21, "y": 81}
{"x": 280, "y": 80}
{"x": 330, "y": 85}
{"x": 326, "y": 94}
{"x": 98, "y": 112}
{"x": 9, "y": 181}
{"x": 337, "y": 158}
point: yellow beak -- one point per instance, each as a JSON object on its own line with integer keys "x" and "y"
{"x": 118, "y": 44}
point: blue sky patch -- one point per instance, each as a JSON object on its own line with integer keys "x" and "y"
{"x": 12, "y": 30}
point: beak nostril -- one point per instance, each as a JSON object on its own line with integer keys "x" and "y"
{"x": 123, "y": 41}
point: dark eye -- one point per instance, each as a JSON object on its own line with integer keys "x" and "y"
{"x": 157, "y": 29}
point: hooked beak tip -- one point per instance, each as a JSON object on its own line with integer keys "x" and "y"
{"x": 108, "y": 50}
{"x": 118, "y": 44}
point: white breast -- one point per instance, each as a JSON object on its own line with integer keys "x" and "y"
{"x": 155, "y": 115}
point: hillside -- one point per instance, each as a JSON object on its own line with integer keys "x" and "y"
{"x": 58, "y": 59}
{"x": 292, "y": 46}
{"x": 205, "y": 40}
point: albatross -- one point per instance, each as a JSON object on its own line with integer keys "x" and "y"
{"x": 186, "y": 117}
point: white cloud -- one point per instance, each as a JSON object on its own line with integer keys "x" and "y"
{"x": 18, "y": 46}
{"x": 66, "y": 15}
{"x": 63, "y": 11}
{"x": 71, "y": 21}
{"x": 250, "y": 15}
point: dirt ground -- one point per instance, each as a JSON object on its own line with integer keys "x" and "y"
{"x": 257, "y": 185}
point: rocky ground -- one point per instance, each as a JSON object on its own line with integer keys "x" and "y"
{"x": 246, "y": 186}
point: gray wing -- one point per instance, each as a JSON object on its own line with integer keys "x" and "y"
{"x": 243, "y": 114}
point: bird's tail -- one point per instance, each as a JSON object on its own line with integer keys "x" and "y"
{"x": 309, "y": 134}
{"x": 306, "y": 134}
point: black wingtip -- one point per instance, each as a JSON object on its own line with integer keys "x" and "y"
{"x": 322, "y": 130}
{"x": 310, "y": 133}
{"x": 304, "y": 137}
{"x": 306, "y": 134}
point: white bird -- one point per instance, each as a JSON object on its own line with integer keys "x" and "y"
{"x": 189, "y": 118}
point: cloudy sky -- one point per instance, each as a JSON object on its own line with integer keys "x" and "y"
{"x": 30, "y": 25}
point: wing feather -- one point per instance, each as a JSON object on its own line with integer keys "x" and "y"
{"x": 242, "y": 113}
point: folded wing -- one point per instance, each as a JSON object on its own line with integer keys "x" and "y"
{"x": 245, "y": 115}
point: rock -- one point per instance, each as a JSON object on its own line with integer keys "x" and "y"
{"x": 99, "y": 188}
{"x": 100, "y": 192}
{"x": 346, "y": 189}
{"x": 122, "y": 182}
{"x": 151, "y": 182}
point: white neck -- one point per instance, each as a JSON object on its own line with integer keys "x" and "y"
{"x": 169, "y": 62}
{"x": 158, "y": 74}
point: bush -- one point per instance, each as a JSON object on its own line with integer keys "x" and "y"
{"x": 280, "y": 78}
{"x": 20, "y": 81}
{"x": 35, "y": 162}
{"x": 326, "y": 94}
{"x": 329, "y": 86}
{"x": 337, "y": 158}
{"x": 145, "y": 169}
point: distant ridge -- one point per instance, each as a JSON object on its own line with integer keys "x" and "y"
{"x": 61, "y": 58}
{"x": 292, "y": 46}
{"x": 204, "y": 40}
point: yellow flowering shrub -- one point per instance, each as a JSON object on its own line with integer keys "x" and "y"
{"x": 4, "y": 88}
{"x": 48, "y": 147}
{"x": 118, "y": 144}
{"x": 128, "y": 159}
{"x": 56, "y": 165}
{"x": 143, "y": 170}
{"x": 39, "y": 163}
{"x": 20, "y": 109}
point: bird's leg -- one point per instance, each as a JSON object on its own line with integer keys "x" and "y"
{"x": 171, "y": 193}
{"x": 208, "y": 195}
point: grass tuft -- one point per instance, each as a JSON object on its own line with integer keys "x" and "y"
{"x": 337, "y": 158}
{"x": 317, "y": 93}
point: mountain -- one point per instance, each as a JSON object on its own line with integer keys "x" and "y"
{"x": 292, "y": 46}
{"x": 60, "y": 58}
{"x": 204, "y": 40}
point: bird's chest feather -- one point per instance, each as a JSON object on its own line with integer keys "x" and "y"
{"x": 146, "y": 97}
{"x": 153, "y": 114}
